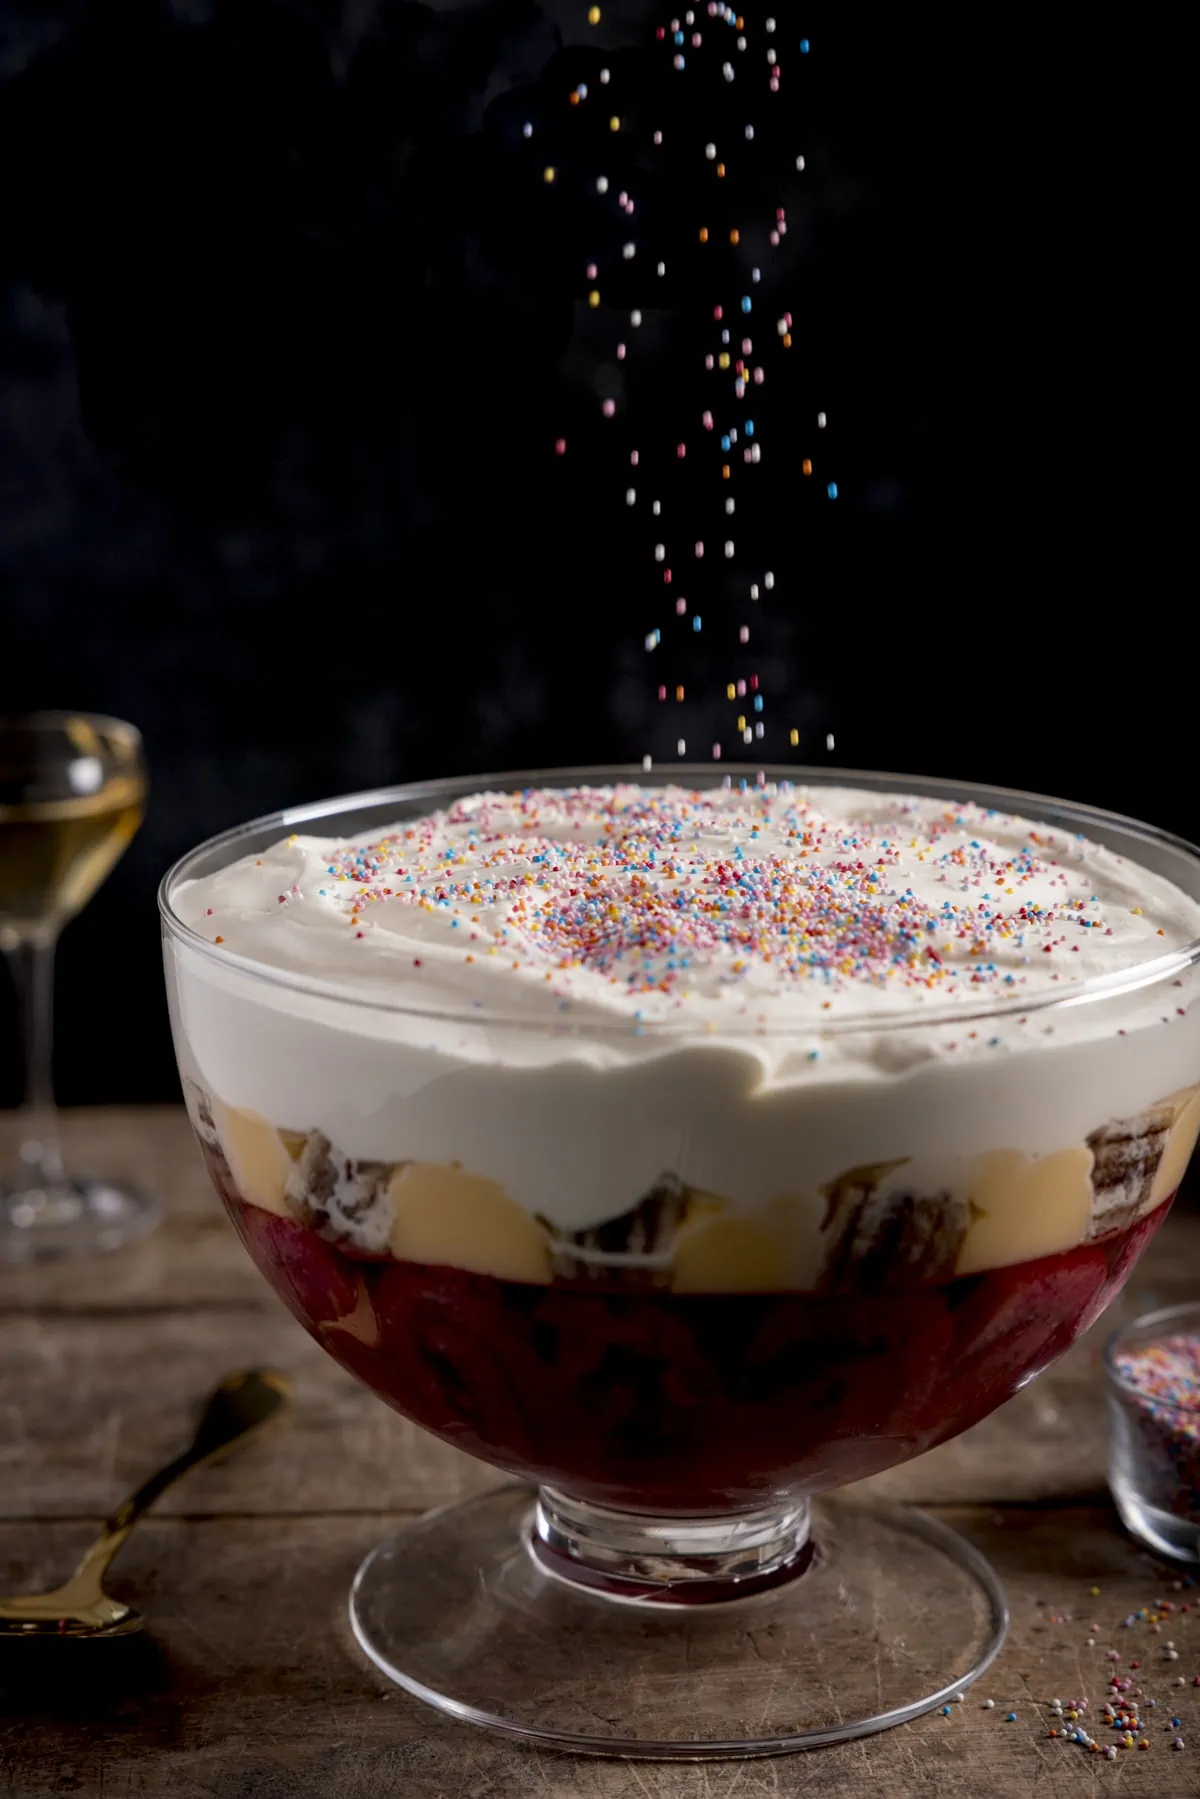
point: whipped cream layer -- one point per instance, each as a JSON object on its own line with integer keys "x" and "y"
{"x": 748, "y": 988}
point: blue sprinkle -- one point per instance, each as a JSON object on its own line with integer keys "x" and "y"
{"x": 804, "y": 46}
{"x": 725, "y": 443}
{"x": 945, "y": 1711}
{"x": 747, "y": 303}
{"x": 831, "y": 490}
{"x": 696, "y": 622}
{"x": 758, "y": 699}
{"x": 679, "y": 37}
{"x": 1011, "y": 1718}
{"x": 749, "y": 427}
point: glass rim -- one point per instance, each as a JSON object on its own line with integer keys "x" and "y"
{"x": 290, "y": 819}
{"x": 1161, "y": 1316}
{"x": 56, "y": 717}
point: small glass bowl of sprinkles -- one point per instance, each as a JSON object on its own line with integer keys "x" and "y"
{"x": 1152, "y": 1367}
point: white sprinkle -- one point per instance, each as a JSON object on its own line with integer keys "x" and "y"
{"x": 956, "y": 1698}
{"x": 800, "y": 163}
{"x": 729, "y": 546}
{"x": 710, "y": 150}
{"x": 656, "y": 509}
{"x": 768, "y": 580}
{"x": 631, "y": 496}
{"x": 635, "y": 318}
{"x": 731, "y": 506}
{"x": 989, "y": 1705}
{"x": 771, "y": 27}
{"x": 647, "y": 764}
{"x": 629, "y": 251}
{"x": 660, "y": 552}
{"x": 758, "y": 730}
{"x": 527, "y": 130}
{"x": 727, "y": 70}
{"x": 829, "y": 740}
{"x": 605, "y": 77}
{"x": 754, "y": 590}
{"x": 681, "y": 746}
{"x": 662, "y": 268}
{"x": 821, "y": 420}
{"x": 602, "y": 184}
{"x": 750, "y": 134}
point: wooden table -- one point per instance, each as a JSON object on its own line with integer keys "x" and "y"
{"x": 247, "y": 1682}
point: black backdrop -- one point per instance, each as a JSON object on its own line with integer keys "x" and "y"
{"x": 282, "y": 350}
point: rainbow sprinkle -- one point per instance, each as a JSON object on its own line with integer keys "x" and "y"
{"x": 649, "y": 887}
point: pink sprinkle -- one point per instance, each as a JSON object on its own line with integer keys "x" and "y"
{"x": 662, "y": 693}
{"x": 708, "y": 421}
{"x": 633, "y": 457}
{"x": 620, "y": 352}
{"x": 699, "y": 549}
{"x": 609, "y": 408}
{"x": 681, "y": 451}
{"x": 709, "y": 362}
{"x": 560, "y": 446}
{"x": 718, "y": 312}
{"x": 680, "y": 607}
{"x": 716, "y": 752}
{"x": 591, "y": 271}
{"x": 744, "y": 634}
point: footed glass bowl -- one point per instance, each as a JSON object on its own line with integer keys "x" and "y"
{"x": 681, "y": 1283}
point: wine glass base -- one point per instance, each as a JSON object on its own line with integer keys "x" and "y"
{"x": 894, "y": 1616}
{"x": 71, "y": 1219}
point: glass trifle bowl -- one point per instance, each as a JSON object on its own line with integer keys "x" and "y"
{"x": 689, "y": 1145}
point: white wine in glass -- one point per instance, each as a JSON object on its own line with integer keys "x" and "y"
{"x": 72, "y": 793}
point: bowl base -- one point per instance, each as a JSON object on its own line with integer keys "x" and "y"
{"x": 894, "y": 1615}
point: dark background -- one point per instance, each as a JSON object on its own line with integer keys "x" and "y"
{"x": 285, "y": 344}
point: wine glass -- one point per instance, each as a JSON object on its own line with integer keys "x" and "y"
{"x": 680, "y": 1284}
{"x": 72, "y": 793}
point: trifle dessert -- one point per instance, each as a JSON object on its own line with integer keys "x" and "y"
{"x": 690, "y": 1148}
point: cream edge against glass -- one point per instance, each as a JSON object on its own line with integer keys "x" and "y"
{"x": 700, "y": 1045}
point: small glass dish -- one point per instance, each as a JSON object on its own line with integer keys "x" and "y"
{"x": 1152, "y": 1367}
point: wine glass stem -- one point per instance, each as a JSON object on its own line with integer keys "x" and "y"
{"x": 32, "y": 963}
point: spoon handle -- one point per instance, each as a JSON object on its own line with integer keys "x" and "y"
{"x": 238, "y": 1409}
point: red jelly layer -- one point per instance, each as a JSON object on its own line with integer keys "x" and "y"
{"x": 686, "y": 1402}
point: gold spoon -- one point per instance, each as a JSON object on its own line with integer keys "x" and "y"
{"x": 239, "y": 1408}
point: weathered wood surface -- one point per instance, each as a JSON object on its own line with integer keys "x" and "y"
{"x": 247, "y": 1682}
